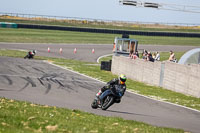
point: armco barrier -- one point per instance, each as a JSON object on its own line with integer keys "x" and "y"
{"x": 8, "y": 25}
{"x": 169, "y": 75}
{"x": 109, "y": 31}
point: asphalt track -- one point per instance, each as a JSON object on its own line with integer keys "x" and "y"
{"x": 42, "y": 83}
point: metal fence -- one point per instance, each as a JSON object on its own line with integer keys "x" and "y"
{"x": 50, "y": 18}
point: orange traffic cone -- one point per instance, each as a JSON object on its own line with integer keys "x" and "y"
{"x": 75, "y": 51}
{"x": 48, "y": 49}
{"x": 93, "y": 50}
{"x": 61, "y": 50}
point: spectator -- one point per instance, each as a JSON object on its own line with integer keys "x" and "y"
{"x": 145, "y": 51}
{"x": 134, "y": 56}
{"x": 172, "y": 57}
{"x": 144, "y": 54}
{"x": 154, "y": 56}
{"x": 137, "y": 54}
{"x": 131, "y": 53}
{"x": 149, "y": 57}
{"x": 157, "y": 58}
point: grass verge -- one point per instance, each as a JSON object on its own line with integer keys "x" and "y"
{"x": 54, "y": 36}
{"x": 17, "y": 116}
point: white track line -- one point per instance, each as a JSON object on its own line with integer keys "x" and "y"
{"x": 127, "y": 88}
{"x": 103, "y": 56}
{"x": 23, "y": 50}
{"x": 75, "y": 72}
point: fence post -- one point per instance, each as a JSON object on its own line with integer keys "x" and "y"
{"x": 162, "y": 69}
{"x": 199, "y": 58}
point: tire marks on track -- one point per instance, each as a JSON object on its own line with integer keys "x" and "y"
{"x": 48, "y": 81}
{"x": 38, "y": 70}
{"x": 29, "y": 81}
{"x": 23, "y": 68}
{"x": 24, "y": 76}
{"x": 10, "y": 82}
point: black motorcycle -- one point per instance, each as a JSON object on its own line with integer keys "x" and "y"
{"x": 107, "y": 98}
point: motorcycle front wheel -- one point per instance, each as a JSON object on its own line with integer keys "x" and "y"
{"x": 107, "y": 102}
{"x": 94, "y": 104}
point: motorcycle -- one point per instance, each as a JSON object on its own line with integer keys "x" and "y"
{"x": 107, "y": 98}
{"x": 30, "y": 55}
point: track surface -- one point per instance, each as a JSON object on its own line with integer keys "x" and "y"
{"x": 42, "y": 83}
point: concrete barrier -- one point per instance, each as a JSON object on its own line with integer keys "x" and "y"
{"x": 169, "y": 75}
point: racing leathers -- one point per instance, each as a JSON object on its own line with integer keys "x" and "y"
{"x": 114, "y": 83}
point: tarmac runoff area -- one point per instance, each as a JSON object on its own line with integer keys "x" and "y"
{"x": 43, "y": 83}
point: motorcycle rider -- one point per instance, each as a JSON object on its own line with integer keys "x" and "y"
{"x": 30, "y": 54}
{"x": 120, "y": 83}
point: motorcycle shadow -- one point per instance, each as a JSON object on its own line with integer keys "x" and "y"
{"x": 129, "y": 113}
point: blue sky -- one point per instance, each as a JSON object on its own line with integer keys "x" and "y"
{"x": 102, "y": 9}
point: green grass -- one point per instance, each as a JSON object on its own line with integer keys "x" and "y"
{"x": 13, "y": 53}
{"x": 165, "y": 55}
{"x": 51, "y": 36}
{"x": 54, "y": 36}
{"x": 18, "y": 117}
{"x": 138, "y": 87}
{"x": 122, "y": 26}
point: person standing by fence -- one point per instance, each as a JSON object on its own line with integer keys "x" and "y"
{"x": 172, "y": 57}
{"x": 157, "y": 58}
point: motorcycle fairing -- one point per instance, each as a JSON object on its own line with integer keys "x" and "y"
{"x": 105, "y": 93}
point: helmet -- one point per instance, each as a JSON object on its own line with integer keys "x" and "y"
{"x": 34, "y": 51}
{"x": 122, "y": 78}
